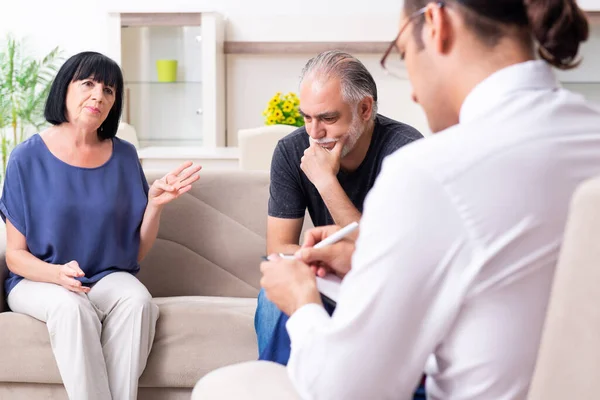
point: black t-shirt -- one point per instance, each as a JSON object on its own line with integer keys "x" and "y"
{"x": 291, "y": 192}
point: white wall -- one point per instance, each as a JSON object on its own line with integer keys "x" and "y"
{"x": 252, "y": 80}
{"x": 71, "y": 24}
{"x": 590, "y": 5}
{"x": 77, "y": 25}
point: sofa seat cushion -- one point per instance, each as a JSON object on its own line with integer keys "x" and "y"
{"x": 194, "y": 335}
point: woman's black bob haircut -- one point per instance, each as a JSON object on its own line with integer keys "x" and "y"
{"x": 83, "y": 66}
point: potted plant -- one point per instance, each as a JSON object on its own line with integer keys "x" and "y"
{"x": 283, "y": 109}
{"x": 24, "y": 86}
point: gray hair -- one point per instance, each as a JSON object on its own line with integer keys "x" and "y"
{"x": 357, "y": 82}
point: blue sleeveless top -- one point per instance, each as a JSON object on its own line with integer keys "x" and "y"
{"x": 90, "y": 215}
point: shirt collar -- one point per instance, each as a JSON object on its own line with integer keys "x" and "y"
{"x": 487, "y": 94}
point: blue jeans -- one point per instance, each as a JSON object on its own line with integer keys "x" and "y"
{"x": 265, "y": 321}
{"x": 274, "y": 341}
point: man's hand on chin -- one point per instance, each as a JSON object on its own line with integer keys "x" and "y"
{"x": 321, "y": 165}
{"x": 290, "y": 284}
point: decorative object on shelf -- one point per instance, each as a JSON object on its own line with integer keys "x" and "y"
{"x": 166, "y": 70}
{"x": 24, "y": 86}
{"x": 283, "y": 110}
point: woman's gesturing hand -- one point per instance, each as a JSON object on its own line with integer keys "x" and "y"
{"x": 174, "y": 184}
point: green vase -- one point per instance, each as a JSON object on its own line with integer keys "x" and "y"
{"x": 167, "y": 70}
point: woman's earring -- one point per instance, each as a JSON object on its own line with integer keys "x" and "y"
{"x": 101, "y": 128}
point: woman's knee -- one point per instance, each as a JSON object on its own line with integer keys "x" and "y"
{"x": 74, "y": 307}
{"x": 138, "y": 302}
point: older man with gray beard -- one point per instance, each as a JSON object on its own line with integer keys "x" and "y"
{"x": 328, "y": 166}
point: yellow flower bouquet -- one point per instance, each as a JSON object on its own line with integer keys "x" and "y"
{"x": 283, "y": 109}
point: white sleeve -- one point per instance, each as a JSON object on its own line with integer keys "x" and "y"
{"x": 397, "y": 302}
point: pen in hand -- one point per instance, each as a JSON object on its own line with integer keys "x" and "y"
{"x": 328, "y": 241}
{"x": 337, "y": 236}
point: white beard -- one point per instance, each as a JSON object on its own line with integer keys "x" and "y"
{"x": 354, "y": 133}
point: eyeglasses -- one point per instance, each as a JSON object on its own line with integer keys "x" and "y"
{"x": 394, "y": 65}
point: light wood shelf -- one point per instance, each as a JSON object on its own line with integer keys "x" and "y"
{"x": 231, "y": 47}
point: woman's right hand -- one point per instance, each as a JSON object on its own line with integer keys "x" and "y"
{"x": 66, "y": 274}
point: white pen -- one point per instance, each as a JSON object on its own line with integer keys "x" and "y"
{"x": 337, "y": 236}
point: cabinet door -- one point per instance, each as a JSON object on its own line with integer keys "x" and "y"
{"x": 163, "y": 102}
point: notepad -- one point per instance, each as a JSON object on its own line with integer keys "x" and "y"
{"x": 329, "y": 286}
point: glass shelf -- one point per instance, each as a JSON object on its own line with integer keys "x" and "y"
{"x": 171, "y": 143}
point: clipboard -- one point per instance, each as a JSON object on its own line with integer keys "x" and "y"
{"x": 329, "y": 287}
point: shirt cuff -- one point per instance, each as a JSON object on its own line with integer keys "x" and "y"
{"x": 305, "y": 320}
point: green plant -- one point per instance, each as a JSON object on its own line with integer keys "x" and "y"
{"x": 283, "y": 109}
{"x": 24, "y": 86}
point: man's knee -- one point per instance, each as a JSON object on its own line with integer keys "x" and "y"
{"x": 267, "y": 312}
{"x": 265, "y": 304}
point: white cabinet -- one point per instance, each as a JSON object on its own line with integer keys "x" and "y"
{"x": 184, "y": 118}
{"x": 163, "y": 112}
{"x": 188, "y": 111}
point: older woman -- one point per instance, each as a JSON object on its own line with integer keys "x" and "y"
{"x": 80, "y": 217}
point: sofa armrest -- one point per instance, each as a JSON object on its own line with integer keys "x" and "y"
{"x": 568, "y": 360}
{"x": 3, "y": 270}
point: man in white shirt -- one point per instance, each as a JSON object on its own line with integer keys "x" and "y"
{"x": 461, "y": 232}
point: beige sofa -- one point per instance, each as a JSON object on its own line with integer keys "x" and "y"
{"x": 204, "y": 274}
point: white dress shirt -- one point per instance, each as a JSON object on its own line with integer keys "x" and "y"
{"x": 459, "y": 240}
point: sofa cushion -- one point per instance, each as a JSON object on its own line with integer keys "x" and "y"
{"x": 194, "y": 335}
{"x": 211, "y": 239}
{"x": 25, "y": 350}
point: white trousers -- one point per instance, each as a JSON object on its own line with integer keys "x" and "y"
{"x": 101, "y": 340}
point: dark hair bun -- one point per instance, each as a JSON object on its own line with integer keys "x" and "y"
{"x": 559, "y": 26}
